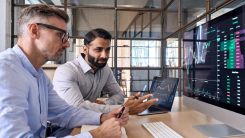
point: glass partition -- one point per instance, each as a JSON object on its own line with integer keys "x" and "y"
{"x": 17, "y": 11}
{"x": 131, "y": 24}
{"x": 172, "y": 52}
{"x": 192, "y": 10}
{"x": 172, "y": 73}
{"x": 172, "y": 18}
{"x": 146, "y": 53}
{"x": 123, "y": 53}
{"x": 75, "y": 49}
{"x": 90, "y": 3}
{"x": 136, "y": 80}
{"x": 84, "y": 20}
{"x": 154, "y": 53}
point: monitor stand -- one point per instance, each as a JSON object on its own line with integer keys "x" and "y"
{"x": 219, "y": 130}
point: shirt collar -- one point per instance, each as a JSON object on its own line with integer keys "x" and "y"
{"x": 84, "y": 65}
{"x": 26, "y": 63}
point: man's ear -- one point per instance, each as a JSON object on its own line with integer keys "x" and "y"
{"x": 85, "y": 49}
{"x": 33, "y": 30}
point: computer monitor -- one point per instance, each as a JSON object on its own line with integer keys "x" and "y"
{"x": 214, "y": 73}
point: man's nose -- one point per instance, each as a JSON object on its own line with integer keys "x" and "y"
{"x": 103, "y": 54}
{"x": 66, "y": 44}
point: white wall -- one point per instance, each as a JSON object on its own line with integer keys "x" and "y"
{"x": 5, "y": 24}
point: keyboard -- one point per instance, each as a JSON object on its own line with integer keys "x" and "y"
{"x": 160, "y": 130}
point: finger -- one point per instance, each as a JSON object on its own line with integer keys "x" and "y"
{"x": 115, "y": 112}
{"x": 131, "y": 98}
{"x": 119, "y": 109}
{"x": 148, "y": 103}
{"x": 141, "y": 99}
{"x": 138, "y": 94}
{"x": 125, "y": 110}
{"x": 125, "y": 120}
{"x": 118, "y": 119}
{"x": 124, "y": 123}
{"x": 125, "y": 115}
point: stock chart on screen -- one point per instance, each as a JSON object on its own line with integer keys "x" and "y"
{"x": 214, "y": 60}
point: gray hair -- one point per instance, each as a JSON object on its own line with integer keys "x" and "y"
{"x": 36, "y": 13}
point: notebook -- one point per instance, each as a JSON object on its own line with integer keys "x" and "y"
{"x": 164, "y": 89}
{"x": 86, "y": 128}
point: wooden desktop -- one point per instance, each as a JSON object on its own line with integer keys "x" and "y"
{"x": 181, "y": 120}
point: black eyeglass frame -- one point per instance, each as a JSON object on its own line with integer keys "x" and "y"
{"x": 55, "y": 28}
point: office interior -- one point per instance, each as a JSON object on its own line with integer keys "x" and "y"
{"x": 147, "y": 35}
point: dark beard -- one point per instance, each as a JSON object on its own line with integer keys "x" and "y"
{"x": 98, "y": 65}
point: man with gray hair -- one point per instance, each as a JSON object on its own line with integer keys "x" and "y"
{"x": 27, "y": 98}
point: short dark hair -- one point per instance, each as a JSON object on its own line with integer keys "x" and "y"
{"x": 93, "y": 34}
{"x": 38, "y": 12}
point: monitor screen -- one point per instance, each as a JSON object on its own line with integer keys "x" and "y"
{"x": 214, "y": 61}
{"x": 164, "y": 89}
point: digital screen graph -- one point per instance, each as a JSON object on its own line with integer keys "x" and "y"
{"x": 214, "y": 59}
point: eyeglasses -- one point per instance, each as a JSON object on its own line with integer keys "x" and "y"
{"x": 65, "y": 36}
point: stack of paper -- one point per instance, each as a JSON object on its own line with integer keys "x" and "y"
{"x": 86, "y": 128}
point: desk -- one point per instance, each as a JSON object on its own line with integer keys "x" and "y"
{"x": 181, "y": 120}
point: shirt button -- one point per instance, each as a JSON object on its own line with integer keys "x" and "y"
{"x": 36, "y": 75}
{"x": 11, "y": 110}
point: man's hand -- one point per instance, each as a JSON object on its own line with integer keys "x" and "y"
{"x": 137, "y": 105}
{"x": 109, "y": 129}
{"x": 114, "y": 114}
{"x": 98, "y": 102}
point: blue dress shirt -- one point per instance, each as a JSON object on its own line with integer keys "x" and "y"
{"x": 28, "y": 100}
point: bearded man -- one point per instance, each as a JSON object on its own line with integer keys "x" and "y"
{"x": 81, "y": 81}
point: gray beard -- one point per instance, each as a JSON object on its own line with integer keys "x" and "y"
{"x": 49, "y": 57}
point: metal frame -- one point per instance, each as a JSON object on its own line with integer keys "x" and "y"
{"x": 115, "y": 41}
{"x": 12, "y": 24}
{"x": 163, "y": 31}
{"x": 179, "y": 45}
